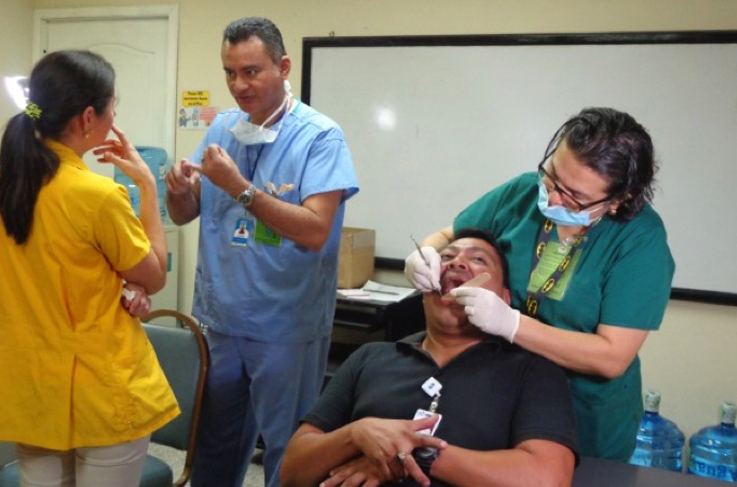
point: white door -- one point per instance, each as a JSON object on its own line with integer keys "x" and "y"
{"x": 141, "y": 44}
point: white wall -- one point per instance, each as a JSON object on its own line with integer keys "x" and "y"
{"x": 692, "y": 384}
{"x": 16, "y": 20}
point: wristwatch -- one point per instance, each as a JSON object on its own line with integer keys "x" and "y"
{"x": 246, "y": 198}
{"x": 425, "y": 457}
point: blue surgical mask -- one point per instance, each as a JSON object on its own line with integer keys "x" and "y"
{"x": 561, "y": 215}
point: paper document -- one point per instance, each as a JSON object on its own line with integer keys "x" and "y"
{"x": 377, "y": 292}
{"x": 354, "y": 294}
{"x": 385, "y": 292}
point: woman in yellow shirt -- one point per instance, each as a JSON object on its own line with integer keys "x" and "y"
{"x": 81, "y": 390}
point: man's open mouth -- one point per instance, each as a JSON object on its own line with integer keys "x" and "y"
{"x": 451, "y": 281}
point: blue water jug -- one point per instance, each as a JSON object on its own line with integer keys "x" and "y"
{"x": 714, "y": 448}
{"x": 155, "y": 158}
{"x": 659, "y": 441}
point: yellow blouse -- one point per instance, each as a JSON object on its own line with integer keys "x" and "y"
{"x": 75, "y": 368}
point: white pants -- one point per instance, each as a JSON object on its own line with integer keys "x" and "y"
{"x": 110, "y": 466}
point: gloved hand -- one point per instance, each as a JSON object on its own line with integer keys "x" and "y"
{"x": 488, "y": 311}
{"x": 424, "y": 278}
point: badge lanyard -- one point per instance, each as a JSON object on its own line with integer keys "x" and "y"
{"x": 432, "y": 388}
{"x": 251, "y": 173}
{"x": 435, "y": 403}
{"x": 543, "y": 238}
{"x": 245, "y": 226}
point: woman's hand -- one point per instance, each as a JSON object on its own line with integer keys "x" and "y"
{"x": 488, "y": 311}
{"x": 135, "y": 300}
{"x": 123, "y": 155}
{"x": 422, "y": 269}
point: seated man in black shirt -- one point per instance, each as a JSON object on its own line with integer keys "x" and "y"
{"x": 498, "y": 415}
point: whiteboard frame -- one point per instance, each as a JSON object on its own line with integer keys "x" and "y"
{"x": 309, "y": 44}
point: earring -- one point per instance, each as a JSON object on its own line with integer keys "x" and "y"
{"x": 86, "y": 134}
{"x": 613, "y": 212}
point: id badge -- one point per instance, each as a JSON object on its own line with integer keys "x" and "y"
{"x": 266, "y": 236}
{"x": 423, "y": 414}
{"x": 243, "y": 229}
{"x": 432, "y": 387}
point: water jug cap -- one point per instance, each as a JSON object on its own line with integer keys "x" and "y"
{"x": 729, "y": 410}
{"x": 652, "y": 401}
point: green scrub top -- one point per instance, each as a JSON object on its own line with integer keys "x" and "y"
{"x": 620, "y": 276}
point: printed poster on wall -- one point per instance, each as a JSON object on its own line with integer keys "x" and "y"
{"x": 195, "y": 112}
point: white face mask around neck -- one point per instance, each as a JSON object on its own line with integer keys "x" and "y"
{"x": 249, "y": 133}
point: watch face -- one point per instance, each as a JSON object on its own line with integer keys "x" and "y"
{"x": 426, "y": 453}
{"x": 246, "y": 197}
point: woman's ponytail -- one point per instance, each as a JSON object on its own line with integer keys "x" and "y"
{"x": 26, "y": 164}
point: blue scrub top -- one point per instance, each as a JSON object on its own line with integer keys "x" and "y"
{"x": 271, "y": 293}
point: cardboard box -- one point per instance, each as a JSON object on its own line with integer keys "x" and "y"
{"x": 356, "y": 257}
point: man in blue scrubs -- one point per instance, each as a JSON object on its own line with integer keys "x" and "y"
{"x": 269, "y": 182}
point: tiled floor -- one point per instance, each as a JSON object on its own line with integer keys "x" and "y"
{"x": 175, "y": 459}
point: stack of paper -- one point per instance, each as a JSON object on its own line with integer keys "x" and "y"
{"x": 377, "y": 292}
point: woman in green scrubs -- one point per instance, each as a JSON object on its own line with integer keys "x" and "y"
{"x": 588, "y": 255}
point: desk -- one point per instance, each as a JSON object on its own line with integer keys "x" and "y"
{"x": 382, "y": 320}
{"x": 361, "y": 321}
{"x": 595, "y": 472}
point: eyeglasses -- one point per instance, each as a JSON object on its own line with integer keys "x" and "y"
{"x": 548, "y": 180}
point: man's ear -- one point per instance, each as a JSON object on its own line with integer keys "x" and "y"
{"x": 285, "y": 65}
{"x": 506, "y": 296}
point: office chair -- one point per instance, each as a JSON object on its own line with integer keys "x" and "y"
{"x": 183, "y": 354}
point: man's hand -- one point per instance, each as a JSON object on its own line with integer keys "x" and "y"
{"x": 419, "y": 274}
{"x": 381, "y": 440}
{"x": 219, "y": 168}
{"x": 358, "y": 472}
{"x": 488, "y": 311}
{"x": 362, "y": 472}
{"x": 135, "y": 300}
{"x": 181, "y": 178}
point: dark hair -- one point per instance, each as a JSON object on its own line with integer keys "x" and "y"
{"x": 247, "y": 27}
{"x": 617, "y": 147}
{"x": 488, "y": 237}
{"x": 62, "y": 84}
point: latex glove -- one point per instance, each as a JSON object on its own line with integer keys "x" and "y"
{"x": 424, "y": 278}
{"x": 488, "y": 311}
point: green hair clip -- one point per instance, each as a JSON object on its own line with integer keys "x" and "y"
{"x": 33, "y": 111}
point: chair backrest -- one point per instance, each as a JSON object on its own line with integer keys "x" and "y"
{"x": 184, "y": 358}
{"x": 7, "y": 453}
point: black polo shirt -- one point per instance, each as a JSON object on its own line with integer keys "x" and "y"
{"x": 494, "y": 395}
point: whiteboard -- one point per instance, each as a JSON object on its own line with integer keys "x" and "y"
{"x": 433, "y": 123}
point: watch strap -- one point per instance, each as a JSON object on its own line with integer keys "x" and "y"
{"x": 245, "y": 199}
{"x": 425, "y": 457}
